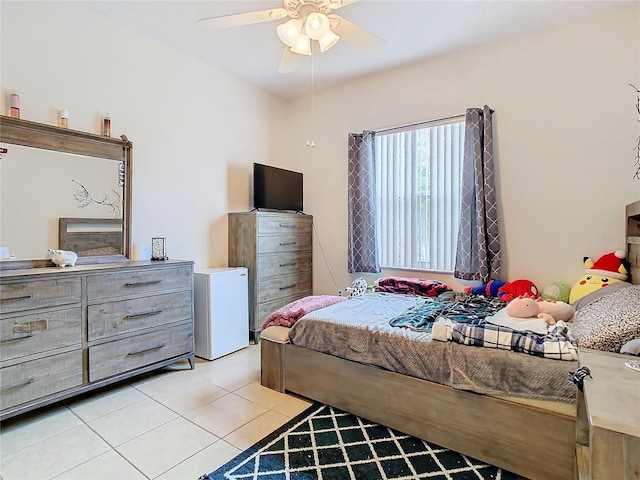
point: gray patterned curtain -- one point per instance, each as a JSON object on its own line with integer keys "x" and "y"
{"x": 363, "y": 245}
{"x": 478, "y": 252}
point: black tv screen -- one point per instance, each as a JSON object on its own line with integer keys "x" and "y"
{"x": 276, "y": 188}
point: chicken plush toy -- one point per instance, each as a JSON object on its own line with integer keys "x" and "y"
{"x": 606, "y": 270}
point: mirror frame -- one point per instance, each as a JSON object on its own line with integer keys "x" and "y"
{"x": 16, "y": 131}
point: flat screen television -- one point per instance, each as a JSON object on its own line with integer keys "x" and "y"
{"x": 276, "y": 188}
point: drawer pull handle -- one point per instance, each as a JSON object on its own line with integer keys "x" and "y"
{"x": 23, "y": 297}
{"x": 288, "y": 287}
{"x": 143, "y": 314}
{"x": 18, "y": 385}
{"x": 292, "y": 264}
{"x": 142, "y": 352}
{"x": 284, "y": 244}
{"x": 142, "y": 284}
{"x": 21, "y": 337}
{"x": 285, "y": 225}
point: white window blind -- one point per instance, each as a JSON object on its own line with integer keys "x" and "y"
{"x": 418, "y": 176}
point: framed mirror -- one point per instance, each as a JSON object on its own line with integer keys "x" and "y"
{"x": 62, "y": 189}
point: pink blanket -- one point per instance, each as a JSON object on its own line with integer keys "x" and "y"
{"x": 290, "y": 313}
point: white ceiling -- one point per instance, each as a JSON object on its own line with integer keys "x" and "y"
{"x": 413, "y": 30}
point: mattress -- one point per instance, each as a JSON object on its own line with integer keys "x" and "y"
{"x": 359, "y": 330}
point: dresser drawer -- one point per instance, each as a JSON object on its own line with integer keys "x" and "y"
{"x": 127, "y": 354}
{"x": 138, "y": 282}
{"x": 38, "y": 378}
{"x": 267, "y": 308}
{"x": 285, "y": 286}
{"x": 113, "y": 318}
{"x": 283, "y": 243}
{"x": 283, "y": 224}
{"x": 35, "y": 333}
{"x": 272, "y": 264}
{"x": 21, "y": 296}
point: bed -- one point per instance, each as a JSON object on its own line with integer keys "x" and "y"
{"x": 89, "y": 237}
{"x": 529, "y": 436}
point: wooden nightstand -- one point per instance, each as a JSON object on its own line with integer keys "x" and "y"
{"x": 608, "y": 422}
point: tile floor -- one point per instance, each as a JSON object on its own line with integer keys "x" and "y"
{"x": 175, "y": 424}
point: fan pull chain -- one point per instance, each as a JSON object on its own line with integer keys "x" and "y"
{"x": 311, "y": 143}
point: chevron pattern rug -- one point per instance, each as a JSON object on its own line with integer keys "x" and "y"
{"x": 323, "y": 443}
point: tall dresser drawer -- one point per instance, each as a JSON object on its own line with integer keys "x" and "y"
{"x": 270, "y": 265}
{"x": 18, "y": 297}
{"x": 114, "y": 318}
{"x": 139, "y": 282}
{"x": 285, "y": 286}
{"x": 35, "y": 333}
{"x": 38, "y": 378}
{"x": 127, "y": 354}
{"x": 283, "y": 243}
{"x": 284, "y": 224}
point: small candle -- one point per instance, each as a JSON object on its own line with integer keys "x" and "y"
{"x": 14, "y": 111}
{"x": 106, "y": 125}
{"x": 64, "y": 118}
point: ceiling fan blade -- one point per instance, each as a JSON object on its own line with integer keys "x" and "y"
{"x": 354, "y": 34}
{"x": 289, "y": 61}
{"x": 336, "y": 4}
{"x": 238, "y": 19}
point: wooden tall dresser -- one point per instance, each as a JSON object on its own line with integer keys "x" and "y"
{"x": 64, "y": 331}
{"x": 276, "y": 248}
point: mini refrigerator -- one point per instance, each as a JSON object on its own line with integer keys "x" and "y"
{"x": 221, "y": 310}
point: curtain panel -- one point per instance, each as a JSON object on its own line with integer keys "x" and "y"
{"x": 478, "y": 251}
{"x": 363, "y": 244}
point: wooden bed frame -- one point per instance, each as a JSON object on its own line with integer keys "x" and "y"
{"x": 81, "y": 241}
{"x": 531, "y": 441}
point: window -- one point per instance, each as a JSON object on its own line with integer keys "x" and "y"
{"x": 418, "y": 177}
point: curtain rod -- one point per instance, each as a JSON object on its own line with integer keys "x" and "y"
{"x": 427, "y": 122}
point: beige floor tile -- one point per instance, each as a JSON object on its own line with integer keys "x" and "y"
{"x": 190, "y": 395}
{"x": 293, "y": 406}
{"x": 108, "y": 466}
{"x": 20, "y": 432}
{"x": 249, "y": 356}
{"x": 257, "y": 429}
{"x": 226, "y": 414}
{"x": 131, "y": 421}
{"x": 163, "y": 381}
{"x": 228, "y": 374}
{"x": 261, "y": 395}
{"x": 105, "y": 401}
{"x": 203, "y": 462}
{"x": 53, "y": 456}
{"x": 161, "y": 449}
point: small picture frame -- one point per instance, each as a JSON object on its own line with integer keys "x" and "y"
{"x": 159, "y": 248}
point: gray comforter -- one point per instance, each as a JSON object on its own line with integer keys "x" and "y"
{"x": 359, "y": 330}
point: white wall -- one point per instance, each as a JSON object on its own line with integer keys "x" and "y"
{"x": 564, "y": 125}
{"x": 196, "y": 130}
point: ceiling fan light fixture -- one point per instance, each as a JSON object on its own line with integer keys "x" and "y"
{"x": 317, "y": 25}
{"x": 289, "y": 32}
{"x": 327, "y": 41}
{"x": 303, "y": 45}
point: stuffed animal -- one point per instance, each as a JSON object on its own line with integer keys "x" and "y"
{"x": 550, "y": 312}
{"x": 519, "y": 288}
{"x": 490, "y": 289}
{"x": 608, "y": 269}
{"x": 556, "y": 292}
{"x": 357, "y": 289}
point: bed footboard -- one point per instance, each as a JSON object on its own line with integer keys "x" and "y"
{"x": 529, "y": 441}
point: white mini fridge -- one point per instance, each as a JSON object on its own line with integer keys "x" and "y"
{"x": 221, "y": 309}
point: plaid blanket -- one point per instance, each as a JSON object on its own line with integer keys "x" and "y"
{"x": 470, "y": 309}
{"x": 555, "y": 344}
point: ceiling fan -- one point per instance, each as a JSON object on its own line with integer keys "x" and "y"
{"x": 308, "y": 20}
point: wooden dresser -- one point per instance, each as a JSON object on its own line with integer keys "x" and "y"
{"x": 67, "y": 331}
{"x": 276, "y": 248}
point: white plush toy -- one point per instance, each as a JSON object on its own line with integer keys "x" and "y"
{"x": 63, "y": 258}
{"x": 357, "y": 288}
